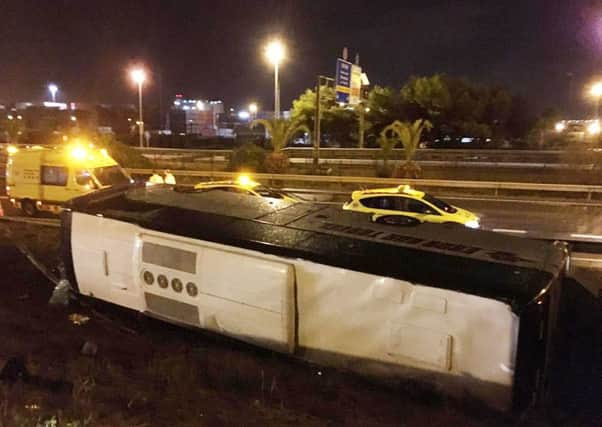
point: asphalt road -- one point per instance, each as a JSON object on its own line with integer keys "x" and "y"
{"x": 518, "y": 217}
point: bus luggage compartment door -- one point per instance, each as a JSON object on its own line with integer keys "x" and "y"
{"x": 231, "y": 292}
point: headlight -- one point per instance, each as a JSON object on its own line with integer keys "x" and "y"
{"x": 473, "y": 223}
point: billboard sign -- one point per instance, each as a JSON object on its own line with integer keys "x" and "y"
{"x": 343, "y": 81}
{"x": 356, "y": 85}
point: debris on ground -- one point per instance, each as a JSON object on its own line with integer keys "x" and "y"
{"x": 60, "y": 293}
{"x": 89, "y": 348}
{"x": 78, "y": 319}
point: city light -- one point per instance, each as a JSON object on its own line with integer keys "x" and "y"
{"x": 594, "y": 128}
{"x": 253, "y": 108}
{"x": 275, "y": 52}
{"x": 138, "y": 76}
{"x": 596, "y": 89}
{"x": 53, "y": 89}
{"x": 560, "y": 127}
{"x": 244, "y": 115}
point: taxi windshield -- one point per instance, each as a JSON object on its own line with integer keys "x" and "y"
{"x": 110, "y": 175}
{"x": 445, "y": 207}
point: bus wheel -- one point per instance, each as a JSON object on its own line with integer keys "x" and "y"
{"x": 29, "y": 207}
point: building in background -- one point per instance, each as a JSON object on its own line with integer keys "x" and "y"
{"x": 194, "y": 116}
{"x": 49, "y": 122}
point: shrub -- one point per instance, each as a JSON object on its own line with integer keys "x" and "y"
{"x": 276, "y": 162}
{"x": 248, "y": 157}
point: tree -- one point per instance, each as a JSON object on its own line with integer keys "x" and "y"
{"x": 409, "y": 134}
{"x": 385, "y": 106}
{"x": 429, "y": 95}
{"x": 281, "y": 132}
{"x": 338, "y": 124}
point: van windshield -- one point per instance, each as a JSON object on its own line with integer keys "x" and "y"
{"x": 110, "y": 175}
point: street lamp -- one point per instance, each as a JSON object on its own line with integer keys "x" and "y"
{"x": 274, "y": 53}
{"x": 138, "y": 76}
{"x": 53, "y": 89}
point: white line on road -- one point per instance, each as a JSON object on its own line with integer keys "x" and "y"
{"x": 586, "y": 236}
{"x": 508, "y": 230}
{"x": 531, "y": 202}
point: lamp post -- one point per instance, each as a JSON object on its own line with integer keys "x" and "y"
{"x": 138, "y": 76}
{"x": 596, "y": 91}
{"x": 274, "y": 53}
{"x": 53, "y": 89}
{"x": 316, "y": 149}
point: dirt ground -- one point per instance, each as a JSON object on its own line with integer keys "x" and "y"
{"x": 117, "y": 368}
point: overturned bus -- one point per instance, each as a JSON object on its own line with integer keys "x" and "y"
{"x": 470, "y": 312}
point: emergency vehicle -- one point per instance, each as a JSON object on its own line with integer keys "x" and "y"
{"x": 42, "y": 178}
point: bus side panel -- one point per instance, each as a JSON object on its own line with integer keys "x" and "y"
{"x": 105, "y": 259}
{"x": 226, "y": 290}
{"x": 463, "y": 342}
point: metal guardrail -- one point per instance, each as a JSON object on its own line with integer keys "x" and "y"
{"x": 423, "y": 154}
{"x": 496, "y": 187}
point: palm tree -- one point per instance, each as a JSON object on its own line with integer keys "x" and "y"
{"x": 409, "y": 134}
{"x": 388, "y": 140}
{"x": 281, "y": 132}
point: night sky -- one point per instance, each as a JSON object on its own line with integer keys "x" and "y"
{"x": 542, "y": 49}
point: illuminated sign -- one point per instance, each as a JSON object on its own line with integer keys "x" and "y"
{"x": 343, "y": 81}
{"x": 356, "y": 85}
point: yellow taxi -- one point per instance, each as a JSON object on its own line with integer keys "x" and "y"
{"x": 245, "y": 185}
{"x": 405, "y": 206}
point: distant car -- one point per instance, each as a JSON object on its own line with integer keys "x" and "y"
{"x": 245, "y": 185}
{"x": 405, "y": 206}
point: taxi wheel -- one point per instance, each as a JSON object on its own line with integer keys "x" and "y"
{"x": 29, "y": 207}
